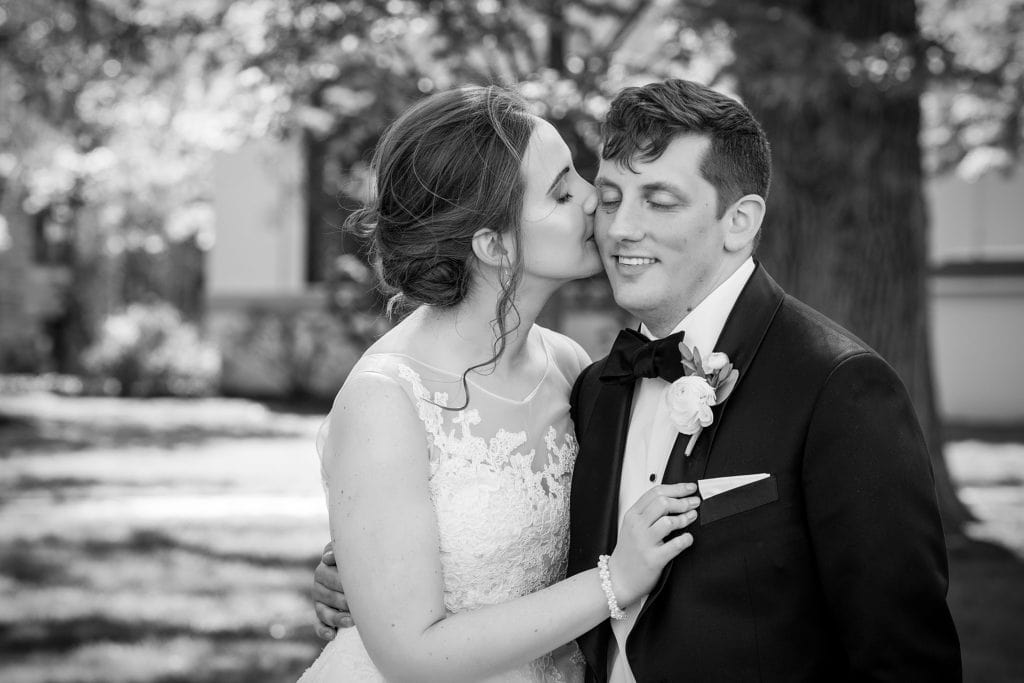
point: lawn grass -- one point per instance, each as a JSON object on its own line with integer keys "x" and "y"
{"x": 166, "y": 541}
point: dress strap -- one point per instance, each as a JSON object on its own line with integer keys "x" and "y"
{"x": 429, "y": 409}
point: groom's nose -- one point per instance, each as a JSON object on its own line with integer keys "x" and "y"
{"x": 624, "y": 224}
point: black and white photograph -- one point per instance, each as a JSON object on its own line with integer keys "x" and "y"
{"x": 511, "y": 341}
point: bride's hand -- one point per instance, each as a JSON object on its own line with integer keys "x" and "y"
{"x": 642, "y": 551}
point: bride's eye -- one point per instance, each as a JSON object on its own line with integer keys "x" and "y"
{"x": 564, "y": 198}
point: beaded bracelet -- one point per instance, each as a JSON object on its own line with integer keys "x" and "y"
{"x": 606, "y": 586}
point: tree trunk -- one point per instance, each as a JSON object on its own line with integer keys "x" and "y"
{"x": 836, "y": 85}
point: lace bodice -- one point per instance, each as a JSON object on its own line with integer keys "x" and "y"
{"x": 500, "y": 471}
{"x": 502, "y": 511}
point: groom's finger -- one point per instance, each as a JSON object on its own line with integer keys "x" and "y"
{"x": 329, "y": 616}
{"x": 328, "y": 596}
{"x": 328, "y": 577}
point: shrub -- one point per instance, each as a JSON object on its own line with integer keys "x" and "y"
{"x": 151, "y": 351}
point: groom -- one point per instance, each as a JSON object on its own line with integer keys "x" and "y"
{"x": 819, "y": 554}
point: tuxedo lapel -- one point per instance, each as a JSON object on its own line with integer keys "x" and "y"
{"x": 741, "y": 337}
{"x": 595, "y": 486}
{"x": 595, "y": 495}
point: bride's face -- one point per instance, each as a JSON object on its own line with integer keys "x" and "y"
{"x": 557, "y": 236}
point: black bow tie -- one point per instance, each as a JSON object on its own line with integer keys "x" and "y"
{"x": 634, "y": 356}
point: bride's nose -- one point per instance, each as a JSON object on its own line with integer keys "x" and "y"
{"x": 589, "y": 202}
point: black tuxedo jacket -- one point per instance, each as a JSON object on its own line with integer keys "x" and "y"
{"x": 834, "y": 568}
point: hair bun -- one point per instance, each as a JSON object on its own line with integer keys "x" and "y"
{"x": 426, "y": 280}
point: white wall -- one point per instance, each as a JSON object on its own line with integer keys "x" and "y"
{"x": 978, "y": 317}
{"x": 978, "y": 342}
{"x": 980, "y": 220}
{"x": 259, "y": 200}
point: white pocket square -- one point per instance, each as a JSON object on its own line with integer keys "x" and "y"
{"x": 710, "y": 488}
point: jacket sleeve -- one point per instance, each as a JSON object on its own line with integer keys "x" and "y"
{"x": 875, "y": 527}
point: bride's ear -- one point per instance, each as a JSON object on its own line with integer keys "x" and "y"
{"x": 489, "y": 248}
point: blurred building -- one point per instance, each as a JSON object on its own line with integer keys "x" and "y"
{"x": 34, "y": 276}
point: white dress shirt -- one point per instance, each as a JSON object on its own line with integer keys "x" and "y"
{"x": 651, "y": 435}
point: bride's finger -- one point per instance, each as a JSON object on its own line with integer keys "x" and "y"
{"x": 674, "y": 546}
{"x": 654, "y": 495}
{"x": 669, "y": 523}
{"x": 665, "y": 505}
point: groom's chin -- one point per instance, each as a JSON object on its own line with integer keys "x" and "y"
{"x": 631, "y": 298}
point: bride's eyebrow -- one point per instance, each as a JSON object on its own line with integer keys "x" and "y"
{"x": 558, "y": 179}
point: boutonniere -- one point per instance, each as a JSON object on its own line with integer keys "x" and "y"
{"x": 705, "y": 383}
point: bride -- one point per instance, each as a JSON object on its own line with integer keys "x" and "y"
{"x": 448, "y": 453}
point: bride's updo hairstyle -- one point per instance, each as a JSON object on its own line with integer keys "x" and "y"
{"x": 449, "y": 166}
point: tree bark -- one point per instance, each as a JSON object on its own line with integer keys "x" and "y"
{"x": 837, "y": 86}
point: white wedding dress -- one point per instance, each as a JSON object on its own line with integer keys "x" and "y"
{"x": 500, "y": 472}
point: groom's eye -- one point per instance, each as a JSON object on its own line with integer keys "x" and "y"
{"x": 608, "y": 201}
{"x": 661, "y": 200}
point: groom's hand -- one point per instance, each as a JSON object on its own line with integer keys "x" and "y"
{"x": 329, "y": 596}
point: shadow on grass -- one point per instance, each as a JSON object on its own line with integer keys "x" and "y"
{"x": 66, "y": 634}
{"x": 986, "y": 596}
{"x": 49, "y": 437}
{"x": 152, "y": 541}
{"x": 26, "y": 562}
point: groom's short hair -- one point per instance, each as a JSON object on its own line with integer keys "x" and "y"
{"x": 642, "y": 121}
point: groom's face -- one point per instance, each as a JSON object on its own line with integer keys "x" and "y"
{"x": 660, "y": 239}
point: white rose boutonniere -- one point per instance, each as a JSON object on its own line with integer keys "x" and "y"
{"x": 706, "y": 383}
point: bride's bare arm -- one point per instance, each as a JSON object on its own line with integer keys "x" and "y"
{"x": 383, "y": 524}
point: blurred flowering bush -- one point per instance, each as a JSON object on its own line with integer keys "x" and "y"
{"x": 149, "y": 350}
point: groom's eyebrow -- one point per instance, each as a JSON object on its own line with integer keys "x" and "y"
{"x": 663, "y": 187}
{"x": 601, "y": 181}
{"x": 558, "y": 179}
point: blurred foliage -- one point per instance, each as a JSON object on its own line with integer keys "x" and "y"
{"x": 972, "y": 108}
{"x": 148, "y": 350}
{"x": 112, "y": 109}
{"x": 118, "y": 103}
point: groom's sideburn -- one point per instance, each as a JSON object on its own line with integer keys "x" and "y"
{"x": 831, "y": 569}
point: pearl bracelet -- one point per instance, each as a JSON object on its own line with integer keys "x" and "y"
{"x": 606, "y": 586}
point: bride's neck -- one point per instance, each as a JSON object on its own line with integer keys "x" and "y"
{"x": 468, "y": 329}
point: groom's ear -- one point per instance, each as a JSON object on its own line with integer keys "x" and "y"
{"x": 743, "y": 221}
{"x": 489, "y": 248}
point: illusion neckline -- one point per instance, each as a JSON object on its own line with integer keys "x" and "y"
{"x": 519, "y": 401}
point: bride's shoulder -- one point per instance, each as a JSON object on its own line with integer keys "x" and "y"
{"x": 390, "y": 355}
{"x": 565, "y": 351}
